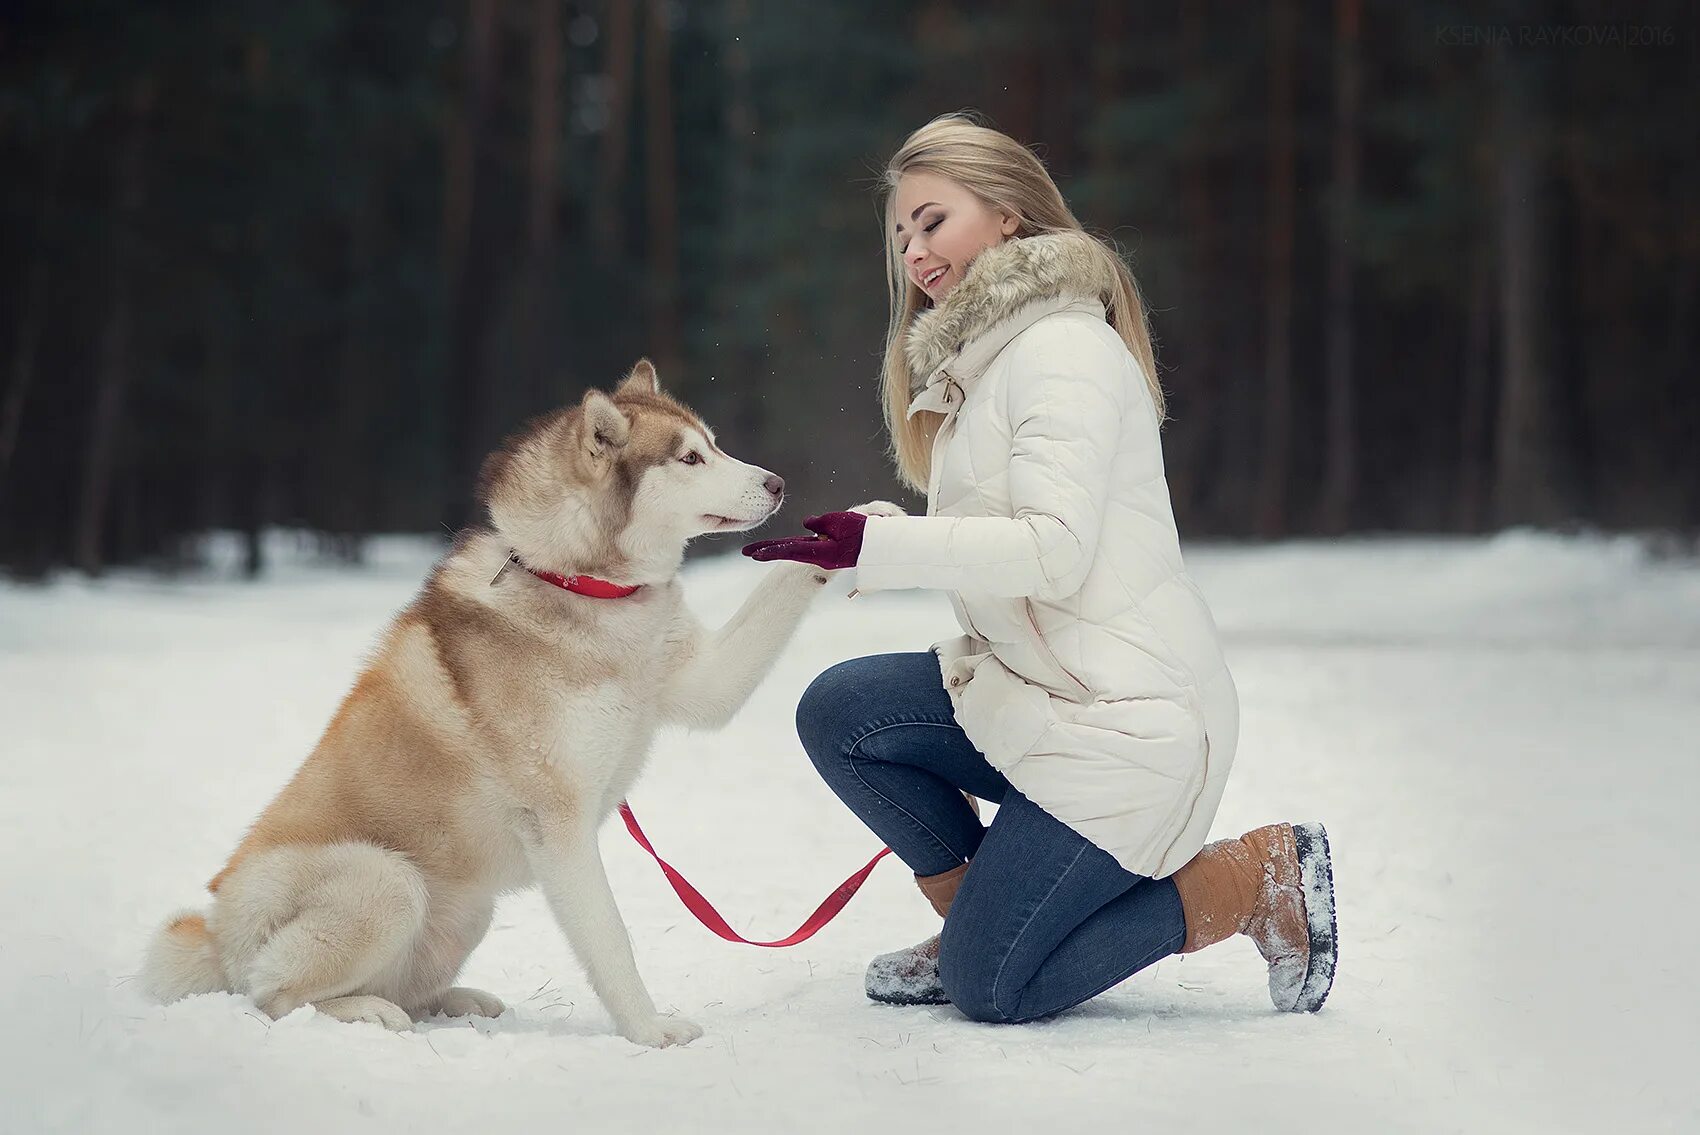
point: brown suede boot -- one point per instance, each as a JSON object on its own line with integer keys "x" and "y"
{"x": 911, "y": 976}
{"x": 941, "y": 889}
{"x": 1276, "y": 886}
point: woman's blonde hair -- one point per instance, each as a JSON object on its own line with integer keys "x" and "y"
{"x": 1005, "y": 175}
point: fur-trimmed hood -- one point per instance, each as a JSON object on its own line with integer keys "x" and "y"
{"x": 1000, "y": 282}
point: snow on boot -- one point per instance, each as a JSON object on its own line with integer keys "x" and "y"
{"x": 907, "y": 977}
{"x": 911, "y": 976}
{"x": 1276, "y": 886}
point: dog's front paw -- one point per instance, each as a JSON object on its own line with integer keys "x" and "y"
{"x": 880, "y": 508}
{"x": 662, "y": 1032}
{"x": 362, "y": 1008}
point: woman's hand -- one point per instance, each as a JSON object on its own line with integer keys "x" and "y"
{"x": 836, "y": 544}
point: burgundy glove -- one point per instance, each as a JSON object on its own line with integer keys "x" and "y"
{"x": 837, "y": 545}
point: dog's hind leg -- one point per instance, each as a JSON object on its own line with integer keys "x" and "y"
{"x": 455, "y": 923}
{"x": 323, "y": 924}
{"x": 464, "y": 1001}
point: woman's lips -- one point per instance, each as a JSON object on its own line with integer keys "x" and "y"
{"x": 933, "y": 276}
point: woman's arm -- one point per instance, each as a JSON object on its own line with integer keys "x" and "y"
{"x": 1067, "y": 418}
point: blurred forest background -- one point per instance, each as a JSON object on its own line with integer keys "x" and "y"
{"x": 1413, "y": 265}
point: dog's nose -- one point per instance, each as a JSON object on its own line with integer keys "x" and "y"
{"x": 774, "y": 484}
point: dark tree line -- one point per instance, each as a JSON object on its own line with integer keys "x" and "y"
{"x": 1416, "y": 266}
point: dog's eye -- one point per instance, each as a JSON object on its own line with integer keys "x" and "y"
{"x": 692, "y": 458}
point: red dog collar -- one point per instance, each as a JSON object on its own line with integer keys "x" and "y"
{"x": 587, "y": 585}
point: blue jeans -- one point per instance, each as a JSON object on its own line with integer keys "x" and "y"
{"x": 1044, "y": 919}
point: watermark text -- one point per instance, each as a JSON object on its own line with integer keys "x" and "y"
{"x": 1622, "y": 36}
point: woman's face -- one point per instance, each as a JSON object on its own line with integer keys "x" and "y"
{"x": 941, "y": 228}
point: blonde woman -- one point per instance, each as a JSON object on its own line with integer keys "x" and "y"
{"x": 1087, "y": 695}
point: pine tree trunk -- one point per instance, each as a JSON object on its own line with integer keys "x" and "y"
{"x": 1109, "y": 48}
{"x": 348, "y": 499}
{"x": 1278, "y": 287}
{"x": 460, "y": 147}
{"x": 1024, "y": 94}
{"x": 1340, "y": 472}
{"x": 663, "y": 192}
{"x": 606, "y": 229}
{"x": 115, "y": 365}
{"x": 1196, "y": 437}
{"x": 541, "y": 186}
{"x": 468, "y": 262}
{"x": 216, "y": 402}
{"x": 742, "y": 415}
{"x": 30, "y": 312}
{"x": 1473, "y": 406}
{"x": 1680, "y": 341}
{"x": 1525, "y": 490}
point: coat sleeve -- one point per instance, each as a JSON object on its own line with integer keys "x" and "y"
{"x": 1066, "y": 398}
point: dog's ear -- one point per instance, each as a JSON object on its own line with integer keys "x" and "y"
{"x": 603, "y": 430}
{"x": 642, "y": 380}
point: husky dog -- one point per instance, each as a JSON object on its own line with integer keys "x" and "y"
{"x": 504, "y": 715}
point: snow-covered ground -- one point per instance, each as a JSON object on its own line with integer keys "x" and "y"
{"x": 1503, "y": 737}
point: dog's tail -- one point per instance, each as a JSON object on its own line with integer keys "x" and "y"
{"x": 183, "y": 959}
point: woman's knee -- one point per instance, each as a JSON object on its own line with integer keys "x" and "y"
{"x": 829, "y": 710}
{"x": 815, "y": 709}
{"x": 968, "y": 971}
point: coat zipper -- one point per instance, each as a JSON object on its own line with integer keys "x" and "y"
{"x": 934, "y": 473}
{"x": 933, "y": 477}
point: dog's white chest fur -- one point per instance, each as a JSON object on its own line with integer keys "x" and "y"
{"x": 600, "y": 738}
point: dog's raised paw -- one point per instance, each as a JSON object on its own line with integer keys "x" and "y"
{"x": 880, "y": 508}
{"x": 662, "y": 1032}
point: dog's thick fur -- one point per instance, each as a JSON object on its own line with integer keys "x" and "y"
{"x": 499, "y": 723}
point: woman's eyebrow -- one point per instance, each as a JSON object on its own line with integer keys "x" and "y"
{"x": 916, "y": 213}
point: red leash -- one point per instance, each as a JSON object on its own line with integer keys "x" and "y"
{"x": 709, "y": 917}
{"x": 693, "y": 900}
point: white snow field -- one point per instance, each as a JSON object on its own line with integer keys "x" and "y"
{"x": 1503, "y": 737}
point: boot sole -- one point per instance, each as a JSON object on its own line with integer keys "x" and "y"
{"x": 939, "y": 999}
{"x": 1316, "y": 875}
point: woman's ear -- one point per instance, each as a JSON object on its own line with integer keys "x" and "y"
{"x": 1009, "y": 224}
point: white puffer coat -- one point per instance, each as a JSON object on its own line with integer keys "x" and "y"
{"x": 1091, "y": 675}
